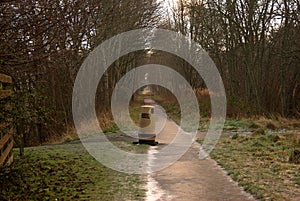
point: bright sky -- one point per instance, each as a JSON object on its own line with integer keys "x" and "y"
{"x": 168, "y": 3}
{"x": 167, "y": 6}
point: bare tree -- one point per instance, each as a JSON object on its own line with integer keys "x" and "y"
{"x": 42, "y": 45}
{"x": 247, "y": 39}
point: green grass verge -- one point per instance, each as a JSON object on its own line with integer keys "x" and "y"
{"x": 260, "y": 163}
{"x": 172, "y": 108}
{"x": 113, "y": 128}
{"x": 68, "y": 172}
{"x": 134, "y": 110}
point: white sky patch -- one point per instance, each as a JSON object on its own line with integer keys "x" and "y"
{"x": 167, "y": 7}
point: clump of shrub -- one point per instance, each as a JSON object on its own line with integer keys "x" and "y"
{"x": 295, "y": 153}
{"x": 295, "y": 156}
{"x": 271, "y": 125}
{"x": 259, "y": 131}
{"x": 256, "y": 125}
{"x": 276, "y": 138}
{"x": 235, "y": 136}
{"x": 111, "y": 129}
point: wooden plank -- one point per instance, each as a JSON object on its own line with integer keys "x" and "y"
{"x": 6, "y": 152}
{"x": 5, "y": 93}
{"x": 4, "y": 140}
{"x": 5, "y": 78}
{"x": 4, "y": 125}
{"x": 10, "y": 160}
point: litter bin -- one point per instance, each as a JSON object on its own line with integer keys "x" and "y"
{"x": 147, "y": 125}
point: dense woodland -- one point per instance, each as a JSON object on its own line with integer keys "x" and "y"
{"x": 255, "y": 45}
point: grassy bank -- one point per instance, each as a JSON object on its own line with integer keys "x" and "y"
{"x": 68, "y": 172}
{"x": 263, "y": 164}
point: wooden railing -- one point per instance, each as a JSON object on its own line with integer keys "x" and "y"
{"x": 6, "y": 130}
